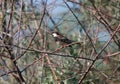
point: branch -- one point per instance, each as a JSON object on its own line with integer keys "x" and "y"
{"x": 88, "y": 69}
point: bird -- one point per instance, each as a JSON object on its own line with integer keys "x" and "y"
{"x": 61, "y": 38}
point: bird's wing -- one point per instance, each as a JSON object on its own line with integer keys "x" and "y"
{"x": 66, "y": 40}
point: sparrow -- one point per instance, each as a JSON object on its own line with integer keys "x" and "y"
{"x": 62, "y": 39}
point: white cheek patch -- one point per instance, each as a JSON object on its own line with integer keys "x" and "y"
{"x": 54, "y": 35}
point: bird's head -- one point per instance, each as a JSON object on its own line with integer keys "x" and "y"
{"x": 54, "y": 34}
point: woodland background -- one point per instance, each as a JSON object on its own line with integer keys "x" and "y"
{"x": 29, "y": 54}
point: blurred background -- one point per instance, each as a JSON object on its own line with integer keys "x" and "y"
{"x": 29, "y": 53}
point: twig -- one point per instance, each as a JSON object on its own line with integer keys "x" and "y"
{"x": 32, "y": 37}
{"x": 81, "y": 26}
{"x": 88, "y": 69}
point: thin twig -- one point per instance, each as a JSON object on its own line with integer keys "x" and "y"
{"x": 103, "y": 48}
{"x": 81, "y": 26}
